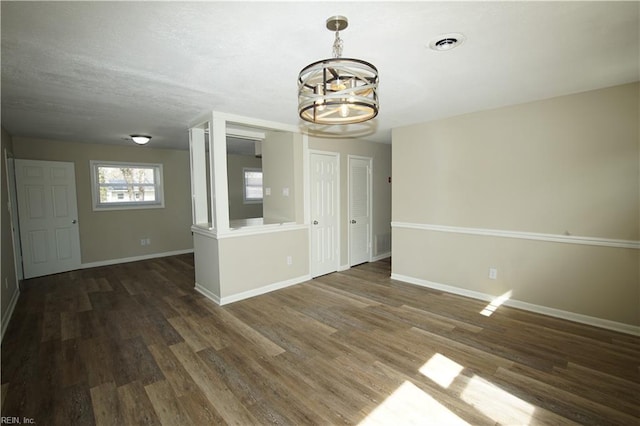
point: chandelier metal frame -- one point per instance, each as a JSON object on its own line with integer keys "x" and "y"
{"x": 338, "y": 90}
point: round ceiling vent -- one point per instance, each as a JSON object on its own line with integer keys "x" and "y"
{"x": 447, "y": 42}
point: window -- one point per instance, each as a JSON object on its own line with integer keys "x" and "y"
{"x": 252, "y": 185}
{"x": 118, "y": 186}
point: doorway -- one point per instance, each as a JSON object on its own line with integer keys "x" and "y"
{"x": 48, "y": 217}
{"x": 359, "y": 209}
{"x": 324, "y": 178}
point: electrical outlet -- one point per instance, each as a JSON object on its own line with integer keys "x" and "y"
{"x": 289, "y": 260}
{"x": 148, "y": 241}
{"x": 493, "y": 273}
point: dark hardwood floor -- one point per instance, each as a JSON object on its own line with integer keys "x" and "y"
{"x": 135, "y": 344}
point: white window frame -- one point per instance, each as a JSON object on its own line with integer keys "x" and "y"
{"x": 158, "y": 203}
{"x": 245, "y": 200}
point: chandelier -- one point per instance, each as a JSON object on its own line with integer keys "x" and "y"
{"x": 338, "y": 90}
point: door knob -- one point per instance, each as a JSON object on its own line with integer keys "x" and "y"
{"x": 74, "y": 221}
{"x": 315, "y": 222}
{"x": 353, "y": 221}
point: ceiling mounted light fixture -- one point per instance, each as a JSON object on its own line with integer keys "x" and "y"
{"x": 338, "y": 90}
{"x": 140, "y": 139}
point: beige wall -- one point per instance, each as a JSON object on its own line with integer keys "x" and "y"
{"x": 381, "y": 155}
{"x": 279, "y": 174}
{"x": 562, "y": 166}
{"x": 8, "y": 283}
{"x": 207, "y": 264}
{"x": 256, "y": 261}
{"x": 234, "y": 268}
{"x": 112, "y": 235}
{"x": 235, "y": 175}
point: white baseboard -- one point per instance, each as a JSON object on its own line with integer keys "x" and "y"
{"x": 207, "y": 293}
{"x": 558, "y": 313}
{"x": 9, "y": 313}
{"x": 250, "y": 293}
{"x": 262, "y": 290}
{"x": 381, "y": 256}
{"x": 373, "y": 259}
{"x": 133, "y": 259}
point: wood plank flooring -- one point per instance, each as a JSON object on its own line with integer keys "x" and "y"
{"x": 135, "y": 344}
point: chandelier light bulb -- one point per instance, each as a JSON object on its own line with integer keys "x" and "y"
{"x": 320, "y": 102}
{"x": 344, "y": 110}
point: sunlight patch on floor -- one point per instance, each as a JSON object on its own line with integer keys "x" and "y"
{"x": 410, "y": 405}
{"x": 496, "y": 403}
{"x": 495, "y": 303}
{"x": 441, "y": 370}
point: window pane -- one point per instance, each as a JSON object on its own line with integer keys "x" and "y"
{"x": 253, "y": 178}
{"x": 126, "y": 184}
{"x": 254, "y": 193}
{"x": 252, "y": 185}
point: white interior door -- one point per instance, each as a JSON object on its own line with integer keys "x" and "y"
{"x": 48, "y": 217}
{"x": 324, "y": 178}
{"x": 359, "y": 210}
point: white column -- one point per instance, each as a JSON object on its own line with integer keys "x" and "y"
{"x": 219, "y": 184}
{"x": 199, "y": 210}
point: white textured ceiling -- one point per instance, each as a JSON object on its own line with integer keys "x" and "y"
{"x": 99, "y": 71}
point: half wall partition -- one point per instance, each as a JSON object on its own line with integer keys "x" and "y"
{"x": 240, "y": 258}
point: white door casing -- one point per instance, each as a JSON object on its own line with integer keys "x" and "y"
{"x": 359, "y": 210}
{"x": 324, "y": 182}
{"x": 13, "y": 215}
{"x": 48, "y": 217}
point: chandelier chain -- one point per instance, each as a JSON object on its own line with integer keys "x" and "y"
{"x": 337, "y": 46}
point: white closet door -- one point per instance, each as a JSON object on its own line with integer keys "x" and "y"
{"x": 359, "y": 210}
